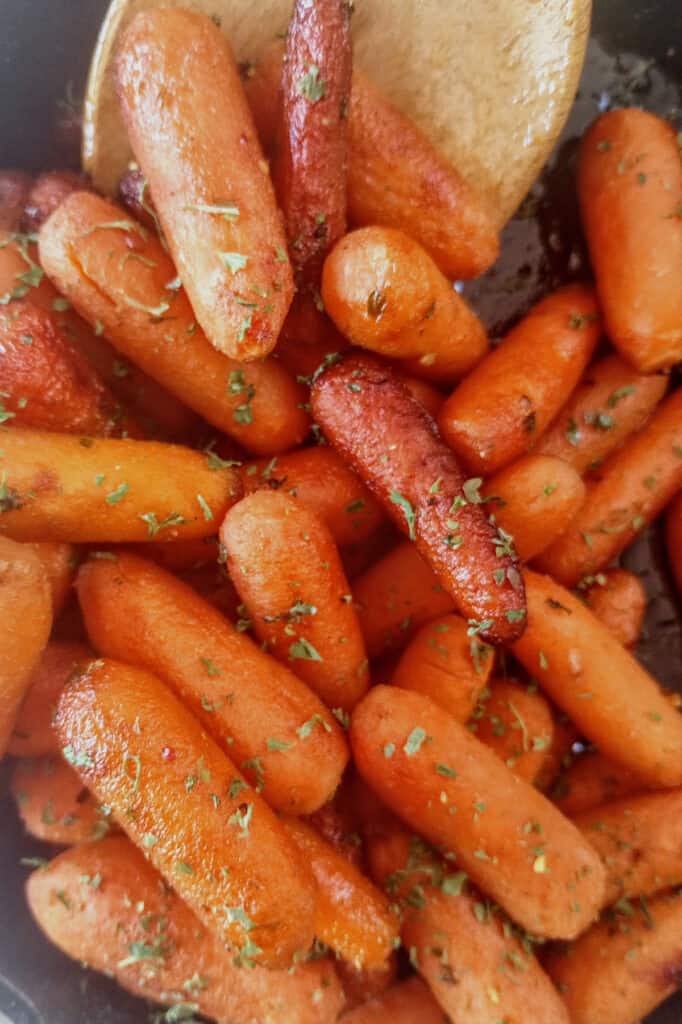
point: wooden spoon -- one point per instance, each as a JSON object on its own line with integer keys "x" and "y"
{"x": 490, "y": 82}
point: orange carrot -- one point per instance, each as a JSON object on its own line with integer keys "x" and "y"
{"x": 428, "y": 395}
{"x": 591, "y": 780}
{"x": 597, "y": 682}
{"x": 337, "y": 822}
{"x": 630, "y": 189}
{"x": 455, "y": 792}
{"x": 14, "y": 189}
{"x": 673, "y": 536}
{"x": 618, "y": 599}
{"x": 366, "y": 985}
{"x": 274, "y": 728}
{"x": 212, "y": 190}
{"x": 53, "y": 803}
{"x": 33, "y": 734}
{"x": 496, "y": 414}
{"x": 180, "y": 798}
{"x": 287, "y": 570}
{"x": 632, "y": 488}
{"x": 404, "y": 1003}
{"x": 179, "y": 556}
{"x": 59, "y": 562}
{"x": 516, "y": 724}
{"x": 559, "y": 754}
{"x": 49, "y": 191}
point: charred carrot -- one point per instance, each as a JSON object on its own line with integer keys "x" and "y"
{"x": 618, "y": 599}
{"x": 516, "y": 723}
{"x": 53, "y": 803}
{"x": 591, "y": 780}
{"x": 33, "y": 735}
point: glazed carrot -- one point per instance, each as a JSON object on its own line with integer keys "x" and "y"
{"x": 673, "y": 536}
{"x": 53, "y": 803}
{"x": 392, "y": 443}
{"x": 429, "y": 396}
{"x": 618, "y": 599}
{"x": 613, "y": 701}
{"x": 623, "y": 967}
{"x": 630, "y": 189}
{"x": 366, "y": 985}
{"x": 639, "y": 839}
{"x": 396, "y": 596}
{"x": 64, "y": 488}
{"x": 212, "y": 191}
{"x": 611, "y": 402}
{"x": 25, "y": 623}
{"x": 213, "y": 584}
{"x": 352, "y": 916}
{"x": 591, "y": 780}
{"x": 447, "y": 785}
{"x": 496, "y": 414}
{"x": 385, "y": 293}
{"x": 180, "y": 798}
{"x": 448, "y": 665}
{"x": 274, "y": 728}
{"x": 287, "y": 570}
{"x": 47, "y": 384}
{"x": 105, "y": 906}
{"x": 59, "y": 562}
{"x": 33, "y": 735}
{"x": 47, "y": 192}
{"x": 338, "y": 823}
{"x": 359, "y": 556}
{"x": 516, "y": 724}
{"x": 323, "y": 482}
{"x": 118, "y": 276}
{"x": 559, "y": 754}
{"x": 179, "y": 556}
{"x": 14, "y": 190}
{"x": 404, "y": 1003}
{"x": 634, "y": 485}
{"x": 534, "y": 500}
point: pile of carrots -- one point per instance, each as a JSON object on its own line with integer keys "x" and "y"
{"x": 307, "y": 734}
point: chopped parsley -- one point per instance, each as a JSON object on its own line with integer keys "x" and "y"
{"x": 408, "y": 511}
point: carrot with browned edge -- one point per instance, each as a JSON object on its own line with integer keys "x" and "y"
{"x": 516, "y": 723}
{"x": 455, "y": 792}
{"x": 501, "y": 408}
{"x": 53, "y": 803}
{"x": 33, "y": 735}
{"x": 618, "y": 599}
{"x": 404, "y": 1003}
{"x": 393, "y": 445}
{"x": 632, "y": 488}
{"x": 287, "y": 570}
{"x": 591, "y": 780}
{"x": 630, "y": 190}
{"x": 14, "y": 190}
{"x": 211, "y": 188}
{"x": 105, "y": 906}
{"x": 121, "y": 281}
{"x": 673, "y": 538}
{"x": 273, "y": 727}
{"x": 614, "y": 702}
{"x": 182, "y": 801}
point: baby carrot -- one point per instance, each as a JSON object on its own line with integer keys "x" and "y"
{"x": 337, "y": 822}
{"x": 448, "y": 665}
{"x": 630, "y": 189}
{"x": 59, "y": 562}
{"x": 105, "y": 906}
{"x": 365, "y": 985}
{"x": 53, "y": 803}
{"x": 611, "y": 402}
{"x": 429, "y": 396}
{"x": 33, "y": 734}
{"x": 181, "y": 555}
{"x": 614, "y": 702}
{"x": 505, "y": 403}
{"x": 534, "y": 500}
{"x": 49, "y": 191}
{"x": 275, "y": 729}
{"x": 559, "y": 753}
{"x": 632, "y": 488}
{"x": 385, "y": 293}
{"x": 516, "y": 724}
{"x": 121, "y": 280}
{"x": 673, "y": 537}
{"x": 14, "y": 190}
{"x": 287, "y": 570}
{"x": 393, "y": 445}
{"x": 25, "y": 623}
{"x": 180, "y": 798}
{"x": 618, "y": 599}
{"x": 404, "y": 1003}
{"x": 212, "y": 190}
{"x": 591, "y": 780}
{"x": 455, "y": 792}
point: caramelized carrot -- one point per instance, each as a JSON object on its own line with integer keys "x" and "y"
{"x": 274, "y": 728}
{"x": 287, "y": 570}
{"x": 33, "y": 735}
{"x": 630, "y": 189}
{"x": 559, "y": 753}
{"x": 212, "y": 190}
{"x": 404, "y": 1003}
{"x": 181, "y": 555}
{"x": 429, "y": 396}
{"x": 591, "y": 780}
{"x": 516, "y": 723}
{"x": 59, "y": 562}
{"x": 337, "y": 822}
{"x": 673, "y": 536}
{"x": 14, "y": 190}
{"x": 180, "y": 798}
{"x": 618, "y": 599}
{"x": 496, "y": 414}
{"x": 53, "y": 803}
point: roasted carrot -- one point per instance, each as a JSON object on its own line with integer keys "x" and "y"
{"x": 180, "y": 556}
{"x": 392, "y": 443}
{"x": 505, "y": 403}
{"x": 515, "y": 722}
{"x": 591, "y": 780}
{"x": 673, "y": 537}
{"x": 25, "y": 623}
{"x": 47, "y": 192}
{"x": 105, "y": 906}
{"x": 53, "y": 803}
{"x": 213, "y": 584}
{"x": 534, "y": 500}
{"x": 352, "y": 916}
{"x": 448, "y": 665}
{"x": 274, "y": 728}
{"x": 385, "y": 293}
{"x": 63, "y": 488}
{"x": 118, "y": 276}
{"x": 363, "y": 985}
{"x": 323, "y": 482}
{"x": 404, "y": 1003}
{"x": 180, "y": 798}
{"x": 611, "y": 402}
{"x": 630, "y": 189}
{"x": 618, "y": 599}
{"x": 284, "y": 563}
{"x": 59, "y": 562}
{"x": 623, "y": 967}
{"x": 559, "y": 754}
{"x": 14, "y": 190}
{"x": 632, "y": 488}
{"x": 212, "y": 191}
{"x": 455, "y": 792}
{"x": 33, "y": 735}
{"x": 337, "y": 822}
{"x": 430, "y": 397}
{"x": 614, "y": 702}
